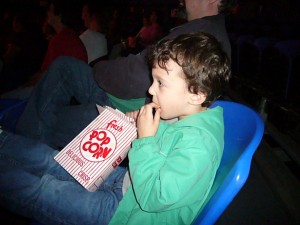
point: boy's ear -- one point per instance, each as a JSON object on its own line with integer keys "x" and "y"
{"x": 197, "y": 99}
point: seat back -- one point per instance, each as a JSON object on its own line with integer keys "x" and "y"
{"x": 278, "y": 63}
{"x": 244, "y": 129}
{"x": 261, "y": 43}
{"x": 291, "y": 49}
{"x": 250, "y": 57}
{"x": 241, "y": 40}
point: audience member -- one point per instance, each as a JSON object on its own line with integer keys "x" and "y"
{"x": 114, "y": 33}
{"x": 64, "y": 17}
{"x": 171, "y": 166}
{"x": 125, "y": 81}
{"x": 150, "y": 32}
{"x": 93, "y": 37}
{"x": 178, "y": 15}
{"x": 143, "y": 37}
{"x": 157, "y": 30}
{"x": 24, "y": 52}
{"x": 48, "y": 31}
{"x": 128, "y": 23}
{"x": 66, "y": 41}
{"x": 131, "y": 20}
{"x": 6, "y": 19}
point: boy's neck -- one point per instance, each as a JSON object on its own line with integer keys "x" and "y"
{"x": 195, "y": 111}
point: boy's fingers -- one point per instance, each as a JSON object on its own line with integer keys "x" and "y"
{"x": 148, "y": 108}
{"x": 157, "y": 116}
{"x": 154, "y": 105}
{"x": 142, "y": 110}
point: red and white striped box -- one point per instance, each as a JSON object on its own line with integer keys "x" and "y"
{"x": 97, "y": 150}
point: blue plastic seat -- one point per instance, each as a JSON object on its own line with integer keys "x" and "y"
{"x": 244, "y": 130}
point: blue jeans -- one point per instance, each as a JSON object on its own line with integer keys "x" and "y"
{"x": 34, "y": 185}
{"x": 49, "y": 115}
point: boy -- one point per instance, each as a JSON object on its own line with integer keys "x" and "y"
{"x": 171, "y": 166}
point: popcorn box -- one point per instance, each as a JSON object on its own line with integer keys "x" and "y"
{"x": 97, "y": 150}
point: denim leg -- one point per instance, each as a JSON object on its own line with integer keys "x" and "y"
{"x": 65, "y": 78}
{"x": 31, "y": 156}
{"x": 43, "y": 195}
{"x": 70, "y": 121}
{"x": 53, "y": 201}
{"x": 114, "y": 182}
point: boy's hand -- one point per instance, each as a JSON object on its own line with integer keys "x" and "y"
{"x": 147, "y": 124}
{"x": 133, "y": 115}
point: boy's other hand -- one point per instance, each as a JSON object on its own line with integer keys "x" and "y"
{"x": 133, "y": 115}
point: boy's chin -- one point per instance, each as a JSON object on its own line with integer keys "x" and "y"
{"x": 170, "y": 120}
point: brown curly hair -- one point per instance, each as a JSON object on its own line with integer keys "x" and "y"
{"x": 205, "y": 65}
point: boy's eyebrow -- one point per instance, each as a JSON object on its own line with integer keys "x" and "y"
{"x": 158, "y": 76}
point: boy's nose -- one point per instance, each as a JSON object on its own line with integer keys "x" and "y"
{"x": 151, "y": 90}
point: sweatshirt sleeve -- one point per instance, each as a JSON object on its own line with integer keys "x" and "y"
{"x": 164, "y": 178}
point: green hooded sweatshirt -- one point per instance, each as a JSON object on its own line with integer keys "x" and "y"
{"x": 173, "y": 172}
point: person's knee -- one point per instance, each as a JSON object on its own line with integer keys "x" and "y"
{"x": 67, "y": 61}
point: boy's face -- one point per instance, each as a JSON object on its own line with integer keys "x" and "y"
{"x": 170, "y": 92}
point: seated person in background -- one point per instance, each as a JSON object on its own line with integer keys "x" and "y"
{"x": 147, "y": 35}
{"x": 64, "y": 17}
{"x": 156, "y": 29}
{"x": 114, "y": 31}
{"x": 24, "y": 52}
{"x": 150, "y": 32}
{"x": 143, "y": 37}
{"x": 48, "y": 31}
{"x": 171, "y": 166}
{"x": 177, "y": 15}
{"x": 93, "y": 37}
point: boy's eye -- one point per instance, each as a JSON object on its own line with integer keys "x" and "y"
{"x": 159, "y": 83}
